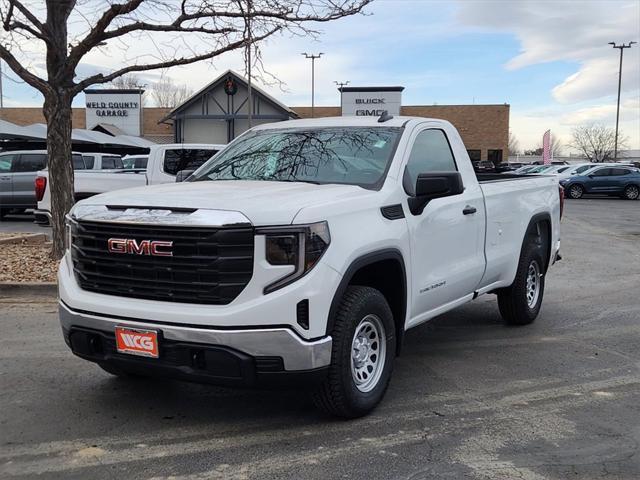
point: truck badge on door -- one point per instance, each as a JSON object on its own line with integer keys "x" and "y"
{"x": 158, "y": 248}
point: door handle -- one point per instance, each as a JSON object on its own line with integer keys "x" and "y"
{"x": 5, "y": 178}
{"x": 468, "y": 210}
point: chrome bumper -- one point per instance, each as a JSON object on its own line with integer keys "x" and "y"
{"x": 42, "y": 217}
{"x": 296, "y": 353}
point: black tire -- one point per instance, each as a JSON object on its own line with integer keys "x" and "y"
{"x": 631, "y": 192}
{"x": 575, "y": 191}
{"x": 338, "y": 394}
{"x": 117, "y": 371}
{"x": 513, "y": 301}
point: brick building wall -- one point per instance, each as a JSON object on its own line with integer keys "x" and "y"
{"x": 483, "y": 127}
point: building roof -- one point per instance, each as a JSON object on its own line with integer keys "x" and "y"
{"x": 38, "y": 132}
{"x": 371, "y": 89}
{"x": 218, "y": 81}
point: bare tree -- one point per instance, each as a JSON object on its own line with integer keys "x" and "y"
{"x": 514, "y": 145}
{"x": 180, "y": 33}
{"x": 555, "y": 147}
{"x": 596, "y": 142}
{"x": 168, "y": 94}
{"x": 127, "y": 81}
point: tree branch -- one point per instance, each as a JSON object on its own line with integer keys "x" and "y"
{"x": 100, "y": 78}
{"x": 22, "y": 72}
{"x": 94, "y": 37}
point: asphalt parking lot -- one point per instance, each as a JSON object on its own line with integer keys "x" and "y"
{"x": 470, "y": 398}
{"x": 22, "y": 223}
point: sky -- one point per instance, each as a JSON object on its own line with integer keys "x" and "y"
{"x": 549, "y": 60}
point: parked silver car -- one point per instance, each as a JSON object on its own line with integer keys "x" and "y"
{"x": 17, "y": 176}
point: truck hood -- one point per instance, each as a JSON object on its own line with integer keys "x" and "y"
{"x": 261, "y": 202}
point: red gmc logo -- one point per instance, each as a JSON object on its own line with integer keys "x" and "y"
{"x": 143, "y": 247}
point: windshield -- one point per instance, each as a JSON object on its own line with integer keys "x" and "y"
{"x": 351, "y": 155}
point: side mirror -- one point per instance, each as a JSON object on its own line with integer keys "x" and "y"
{"x": 434, "y": 185}
{"x": 182, "y": 175}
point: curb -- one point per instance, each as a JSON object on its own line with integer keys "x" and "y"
{"x": 44, "y": 289}
{"x": 26, "y": 239}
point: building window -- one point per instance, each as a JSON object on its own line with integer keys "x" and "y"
{"x": 494, "y": 156}
{"x": 474, "y": 155}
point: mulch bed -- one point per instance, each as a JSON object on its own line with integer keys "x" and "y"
{"x": 27, "y": 263}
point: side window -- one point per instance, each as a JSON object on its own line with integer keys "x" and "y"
{"x": 111, "y": 162}
{"x": 140, "y": 163}
{"x": 430, "y": 153}
{"x": 31, "y": 162}
{"x": 89, "y": 161}
{"x": 185, "y": 159}
{"x": 5, "y": 163}
{"x": 603, "y": 172}
{"x": 618, "y": 172}
{"x": 78, "y": 162}
{"x": 108, "y": 163}
{"x": 583, "y": 168}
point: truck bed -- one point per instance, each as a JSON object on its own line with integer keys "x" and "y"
{"x": 497, "y": 177}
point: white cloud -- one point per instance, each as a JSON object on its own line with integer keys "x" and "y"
{"x": 574, "y": 31}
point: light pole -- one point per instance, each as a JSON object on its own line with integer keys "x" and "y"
{"x": 340, "y": 85}
{"x": 313, "y": 63}
{"x": 620, "y": 47}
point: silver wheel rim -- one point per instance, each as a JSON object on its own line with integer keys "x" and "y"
{"x": 368, "y": 353}
{"x": 533, "y": 284}
{"x": 576, "y": 191}
{"x": 632, "y": 192}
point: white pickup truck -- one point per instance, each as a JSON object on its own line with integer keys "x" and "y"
{"x": 164, "y": 163}
{"x": 303, "y": 252}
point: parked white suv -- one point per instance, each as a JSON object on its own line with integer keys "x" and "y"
{"x": 304, "y": 251}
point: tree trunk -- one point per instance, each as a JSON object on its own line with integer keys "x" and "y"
{"x": 57, "y": 111}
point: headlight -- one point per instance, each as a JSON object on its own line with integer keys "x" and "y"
{"x": 69, "y": 226}
{"x": 300, "y": 246}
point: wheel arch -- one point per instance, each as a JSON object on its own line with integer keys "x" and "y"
{"x": 540, "y": 227}
{"x": 384, "y": 270}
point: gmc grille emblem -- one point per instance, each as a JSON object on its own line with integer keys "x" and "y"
{"x": 156, "y": 248}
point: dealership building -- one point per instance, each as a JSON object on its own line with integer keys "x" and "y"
{"x": 219, "y": 112}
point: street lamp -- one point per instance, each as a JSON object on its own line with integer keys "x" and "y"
{"x": 340, "y": 85}
{"x": 620, "y": 47}
{"x": 313, "y": 62}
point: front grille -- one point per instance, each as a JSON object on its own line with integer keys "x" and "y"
{"x": 209, "y": 265}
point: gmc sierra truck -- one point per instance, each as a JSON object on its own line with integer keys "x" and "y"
{"x": 303, "y": 252}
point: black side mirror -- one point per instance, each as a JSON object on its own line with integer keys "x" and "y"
{"x": 434, "y": 185}
{"x": 182, "y": 175}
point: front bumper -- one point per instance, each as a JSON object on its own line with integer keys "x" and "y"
{"x": 251, "y": 355}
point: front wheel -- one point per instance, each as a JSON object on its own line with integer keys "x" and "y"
{"x": 520, "y": 303}
{"x": 576, "y": 191}
{"x": 631, "y": 192}
{"x": 362, "y": 356}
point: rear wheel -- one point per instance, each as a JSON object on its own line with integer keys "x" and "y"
{"x": 520, "y": 303}
{"x": 631, "y": 192}
{"x": 576, "y": 191}
{"x": 362, "y": 356}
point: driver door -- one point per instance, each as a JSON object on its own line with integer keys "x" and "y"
{"x": 447, "y": 238}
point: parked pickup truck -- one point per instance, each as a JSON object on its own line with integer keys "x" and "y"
{"x": 164, "y": 162}
{"x": 303, "y": 252}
